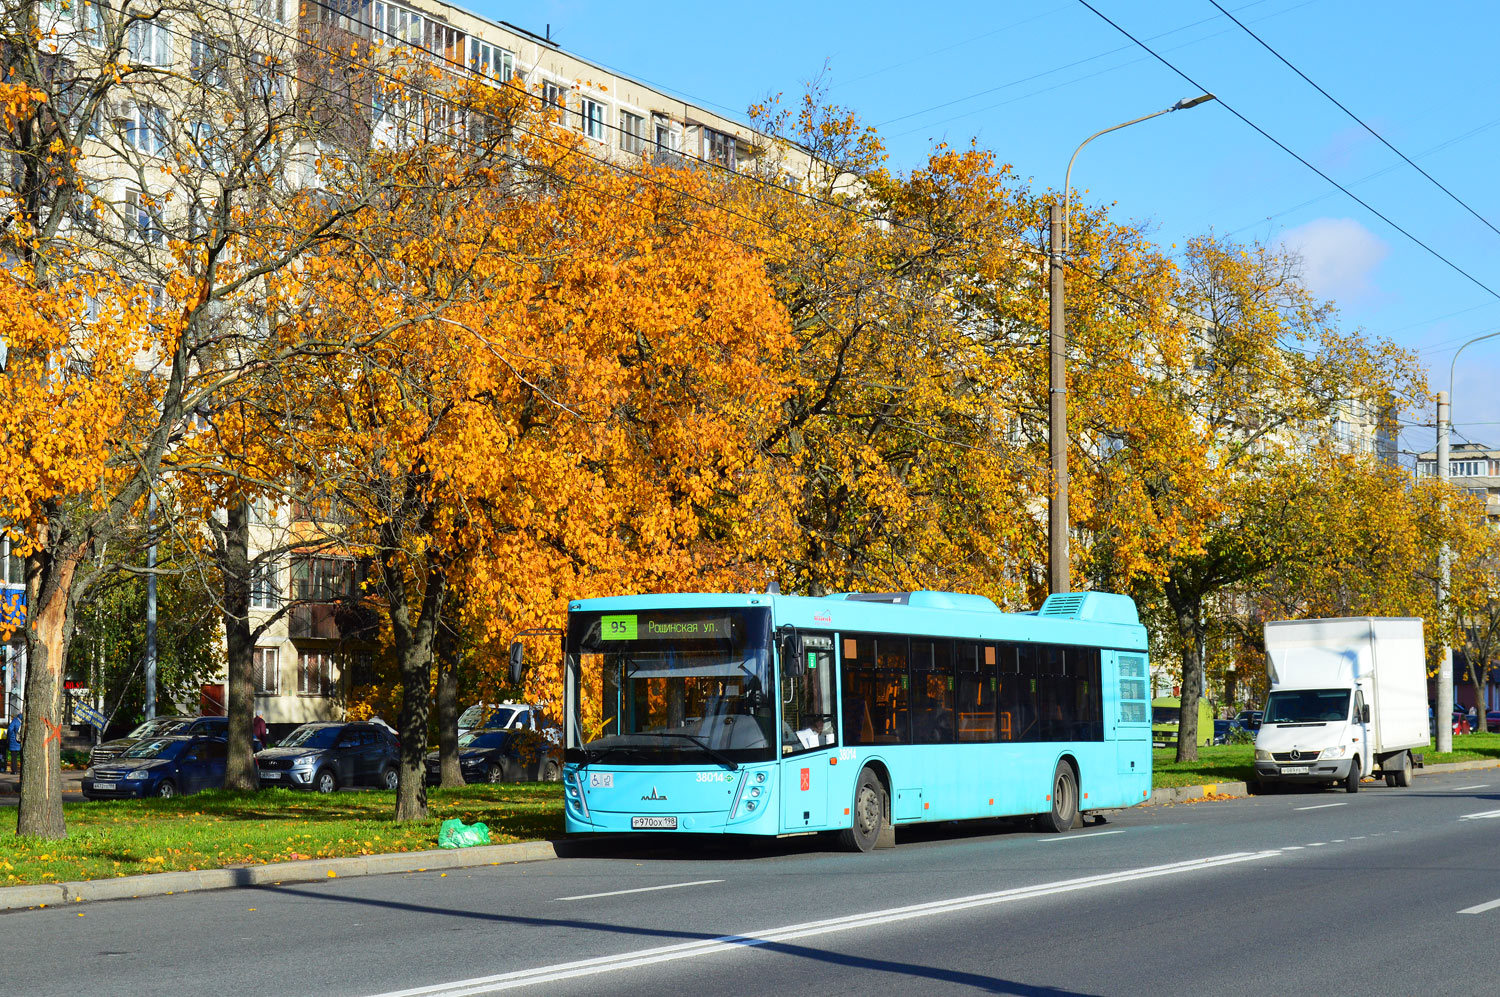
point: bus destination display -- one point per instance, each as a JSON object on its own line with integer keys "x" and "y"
{"x": 638, "y": 626}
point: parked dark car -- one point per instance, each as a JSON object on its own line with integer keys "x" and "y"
{"x": 173, "y": 765}
{"x": 160, "y": 727}
{"x": 502, "y": 756}
{"x": 1492, "y": 720}
{"x": 325, "y": 756}
{"x": 1249, "y": 719}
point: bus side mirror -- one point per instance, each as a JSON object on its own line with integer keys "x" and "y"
{"x": 791, "y": 654}
{"x": 517, "y": 660}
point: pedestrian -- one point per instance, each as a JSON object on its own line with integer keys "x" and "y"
{"x": 259, "y": 728}
{"x": 13, "y": 743}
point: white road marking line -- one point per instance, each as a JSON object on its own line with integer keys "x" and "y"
{"x": 1079, "y": 837}
{"x": 1482, "y": 815}
{"x": 1292, "y": 848}
{"x": 730, "y": 943}
{"x": 1316, "y": 844}
{"x": 1481, "y": 908}
{"x": 1459, "y": 789}
{"x": 1322, "y": 806}
{"x": 643, "y": 889}
{"x": 1358, "y": 837}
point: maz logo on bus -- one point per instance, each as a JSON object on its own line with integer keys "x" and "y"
{"x": 714, "y": 777}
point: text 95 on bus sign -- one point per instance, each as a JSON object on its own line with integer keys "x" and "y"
{"x": 617, "y": 627}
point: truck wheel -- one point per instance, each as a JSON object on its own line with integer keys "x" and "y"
{"x": 1351, "y": 782}
{"x": 868, "y": 817}
{"x": 1402, "y": 776}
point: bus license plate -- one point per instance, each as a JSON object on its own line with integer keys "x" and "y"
{"x": 653, "y": 823}
{"x": 1294, "y": 770}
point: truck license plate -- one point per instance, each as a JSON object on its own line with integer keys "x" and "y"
{"x": 1294, "y": 770}
{"x": 653, "y": 823}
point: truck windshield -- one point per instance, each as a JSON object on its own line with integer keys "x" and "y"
{"x": 1293, "y": 706}
{"x": 674, "y": 686}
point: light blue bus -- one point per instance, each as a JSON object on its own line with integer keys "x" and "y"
{"x": 851, "y": 714}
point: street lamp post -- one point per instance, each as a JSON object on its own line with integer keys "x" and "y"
{"x": 1442, "y": 714}
{"x": 1057, "y": 388}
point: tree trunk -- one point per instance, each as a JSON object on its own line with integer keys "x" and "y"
{"x": 1188, "y": 611}
{"x": 49, "y": 626}
{"x": 234, "y": 568}
{"x": 1477, "y": 678}
{"x": 447, "y": 699}
{"x": 413, "y": 639}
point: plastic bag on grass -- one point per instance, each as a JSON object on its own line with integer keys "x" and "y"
{"x": 456, "y": 834}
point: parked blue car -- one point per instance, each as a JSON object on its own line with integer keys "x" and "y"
{"x": 160, "y": 766}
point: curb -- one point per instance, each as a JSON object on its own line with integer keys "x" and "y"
{"x": 1176, "y": 794}
{"x": 302, "y": 871}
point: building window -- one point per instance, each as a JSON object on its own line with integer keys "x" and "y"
{"x": 208, "y": 60}
{"x": 491, "y": 60}
{"x": 143, "y": 219}
{"x": 265, "y": 585}
{"x": 323, "y": 579}
{"x": 719, "y": 148}
{"x": 149, "y": 43}
{"x": 1468, "y": 468}
{"x": 346, "y": 15}
{"x": 591, "y": 116}
{"x": 12, "y": 567}
{"x": 553, "y": 95}
{"x": 267, "y": 669}
{"x": 271, "y": 10}
{"x": 314, "y": 673}
{"x": 394, "y": 23}
{"x": 147, "y": 127}
{"x": 665, "y": 139}
{"x": 446, "y": 42}
{"x": 632, "y": 133}
{"x": 361, "y": 669}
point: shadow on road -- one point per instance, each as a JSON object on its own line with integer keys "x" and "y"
{"x": 975, "y": 981}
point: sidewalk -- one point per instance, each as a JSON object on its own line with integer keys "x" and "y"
{"x": 10, "y": 785}
{"x": 1229, "y": 790}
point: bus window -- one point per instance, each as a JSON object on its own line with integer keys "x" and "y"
{"x": 931, "y": 691}
{"x": 974, "y": 682}
{"x": 1023, "y": 701}
{"x": 1055, "y": 702}
{"x": 875, "y": 682}
{"x": 1083, "y": 673}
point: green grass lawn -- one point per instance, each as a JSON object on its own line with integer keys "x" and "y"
{"x": 221, "y": 828}
{"x": 1236, "y": 762}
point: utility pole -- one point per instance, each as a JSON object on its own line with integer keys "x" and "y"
{"x": 151, "y": 611}
{"x": 1442, "y": 710}
{"x": 1057, "y": 417}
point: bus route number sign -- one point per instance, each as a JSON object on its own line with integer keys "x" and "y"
{"x": 617, "y": 627}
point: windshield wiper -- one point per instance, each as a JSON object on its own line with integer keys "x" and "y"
{"x": 713, "y": 753}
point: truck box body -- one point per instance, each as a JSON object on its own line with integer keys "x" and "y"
{"x": 1380, "y": 662}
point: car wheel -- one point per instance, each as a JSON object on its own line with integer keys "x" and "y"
{"x": 1351, "y": 782}
{"x": 868, "y": 816}
{"x": 391, "y": 778}
{"x": 1064, "y": 800}
{"x": 167, "y": 789}
{"x": 325, "y": 781}
{"x": 495, "y": 773}
{"x": 550, "y": 772}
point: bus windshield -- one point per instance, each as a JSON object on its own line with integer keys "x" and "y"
{"x": 1307, "y": 706}
{"x": 675, "y": 686}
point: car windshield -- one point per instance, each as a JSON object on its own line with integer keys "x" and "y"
{"x": 472, "y": 716}
{"x": 502, "y": 717}
{"x": 311, "y": 737}
{"x": 1293, "y": 706}
{"x": 155, "y": 748}
{"x": 158, "y": 727}
{"x": 484, "y": 739}
{"x": 675, "y": 686}
{"x": 1166, "y": 714}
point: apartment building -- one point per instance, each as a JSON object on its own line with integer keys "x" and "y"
{"x": 188, "y": 74}
{"x": 1472, "y": 467}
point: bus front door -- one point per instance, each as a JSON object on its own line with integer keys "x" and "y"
{"x": 809, "y": 734}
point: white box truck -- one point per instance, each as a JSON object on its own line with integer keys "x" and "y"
{"x": 1348, "y": 698}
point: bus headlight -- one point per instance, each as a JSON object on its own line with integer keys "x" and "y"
{"x": 750, "y": 804}
{"x": 754, "y": 790}
{"x": 760, "y": 777}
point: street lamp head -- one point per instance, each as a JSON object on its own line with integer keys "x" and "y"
{"x": 1187, "y": 102}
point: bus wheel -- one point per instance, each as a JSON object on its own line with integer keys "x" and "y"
{"x": 1064, "y": 800}
{"x": 868, "y": 816}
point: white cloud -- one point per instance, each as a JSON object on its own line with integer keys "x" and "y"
{"x": 1339, "y": 255}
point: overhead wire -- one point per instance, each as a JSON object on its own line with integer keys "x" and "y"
{"x": 1358, "y": 120}
{"x": 1297, "y": 156}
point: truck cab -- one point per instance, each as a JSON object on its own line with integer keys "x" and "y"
{"x": 1314, "y": 735}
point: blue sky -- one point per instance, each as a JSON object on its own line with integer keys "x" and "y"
{"x": 1032, "y": 80}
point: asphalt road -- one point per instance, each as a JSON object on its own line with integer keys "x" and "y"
{"x": 1384, "y": 892}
